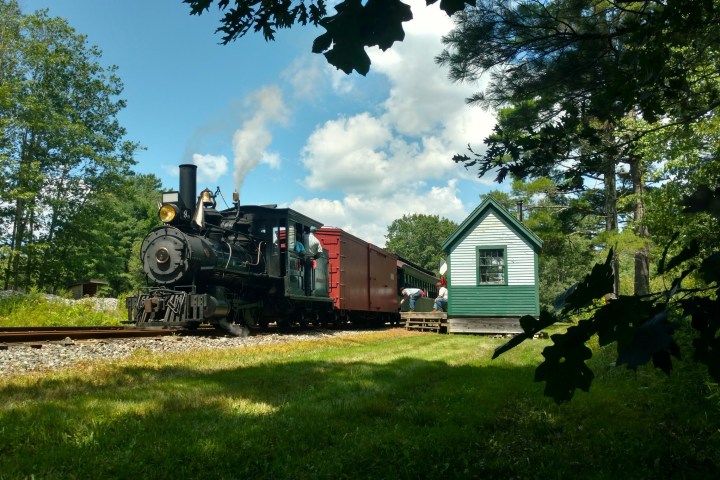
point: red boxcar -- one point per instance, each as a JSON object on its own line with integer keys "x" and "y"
{"x": 362, "y": 276}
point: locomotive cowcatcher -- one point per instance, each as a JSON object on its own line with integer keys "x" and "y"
{"x": 237, "y": 269}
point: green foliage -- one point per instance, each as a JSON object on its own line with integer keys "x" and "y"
{"x": 419, "y": 238}
{"x": 356, "y": 25}
{"x": 607, "y": 58}
{"x": 598, "y": 93}
{"x": 564, "y": 227}
{"x": 642, "y": 327}
{"x": 62, "y": 155}
{"x": 690, "y": 154}
{"x": 35, "y": 309}
{"x": 103, "y": 241}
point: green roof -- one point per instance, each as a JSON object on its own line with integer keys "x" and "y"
{"x": 508, "y": 218}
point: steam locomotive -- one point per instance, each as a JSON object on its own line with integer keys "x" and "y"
{"x": 240, "y": 269}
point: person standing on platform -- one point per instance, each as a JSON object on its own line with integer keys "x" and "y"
{"x": 413, "y": 294}
{"x": 441, "y": 300}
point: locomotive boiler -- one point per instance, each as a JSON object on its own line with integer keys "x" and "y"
{"x": 237, "y": 268}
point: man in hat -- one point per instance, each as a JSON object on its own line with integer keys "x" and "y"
{"x": 312, "y": 244}
{"x": 313, "y": 250}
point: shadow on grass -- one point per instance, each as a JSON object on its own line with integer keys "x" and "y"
{"x": 408, "y": 418}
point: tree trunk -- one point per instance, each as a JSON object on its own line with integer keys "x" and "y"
{"x": 46, "y": 272}
{"x": 611, "y": 220}
{"x": 642, "y": 256}
{"x": 11, "y": 258}
{"x": 30, "y": 264}
{"x": 21, "y": 206}
{"x": 17, "y": 241}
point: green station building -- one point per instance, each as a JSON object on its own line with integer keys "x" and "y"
{"x": 492, "y": 272}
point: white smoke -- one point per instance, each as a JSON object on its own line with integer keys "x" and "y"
{"x": 251, "y": 141}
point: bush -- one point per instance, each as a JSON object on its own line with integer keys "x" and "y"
{"x": 35, "y": 309}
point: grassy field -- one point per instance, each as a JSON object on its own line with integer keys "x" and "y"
{"x": 35, "y": 309}
{"x": 380, "y": 405}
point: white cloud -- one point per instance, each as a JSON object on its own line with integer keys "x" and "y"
{"x": 422, "y": 98}
{"x": 411, "y": 139}
{"x": 306, "y": 75}
{"x": 210, "y": 167}
{"x": 368, "y": 217}
{"x": 347, "y": 154}
{"x": 342, "y": 84}
{"x": 310, "y": 75}
{"x": 394, "y": 158}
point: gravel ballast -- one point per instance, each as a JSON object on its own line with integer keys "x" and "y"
{"x": 15, "y": 359}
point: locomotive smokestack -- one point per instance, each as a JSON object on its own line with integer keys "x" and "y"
{"x": 188, "y": 186}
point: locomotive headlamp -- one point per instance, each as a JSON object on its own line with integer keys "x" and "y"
{"x": 168, "y": 212}
{"x": 162, "y": 255}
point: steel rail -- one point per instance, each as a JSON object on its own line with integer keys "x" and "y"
{"x": 49, "y": 334}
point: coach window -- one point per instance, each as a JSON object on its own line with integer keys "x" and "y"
{"x": 279, "y": 238}
{"x": 491, "y": 265}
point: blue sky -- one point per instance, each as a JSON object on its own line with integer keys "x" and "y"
{"x": 280, "y": 125}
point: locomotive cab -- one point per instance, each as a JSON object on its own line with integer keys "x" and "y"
{"x": 302, "y": 275}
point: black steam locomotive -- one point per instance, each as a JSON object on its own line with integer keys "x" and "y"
{"x": 234, "y": 268}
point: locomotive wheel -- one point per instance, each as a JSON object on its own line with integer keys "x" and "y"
{"x": 234, "y": 329}
{"x": 307, "y": 318}
{"x": 329, "y": 318}
{"x": 252, "y": 318}
{"x": 283, "y": 323}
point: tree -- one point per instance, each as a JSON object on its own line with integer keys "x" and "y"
{"x": 549, "y": 64}
{"x": 653, "y": 58}
{"x": 103, "y": 239}
{"x": 567, "y": 227}
{"x": 61, "y": 142}
{"x": 587, "y": 84}
{"x": 356, "y": 25}
{"x": 690, "y": 155}
{"x": 419, "y": 238}
{"x": 642, "y": 327}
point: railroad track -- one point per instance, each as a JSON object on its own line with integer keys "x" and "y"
{"x": 36, "y": 335}
{"x": 57, "y": 334}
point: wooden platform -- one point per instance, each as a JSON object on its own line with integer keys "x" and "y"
{"x": 487, "y": 325}
{"x": 440, "y": 323}
{"x": 425, "y": 321}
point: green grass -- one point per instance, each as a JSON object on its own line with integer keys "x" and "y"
{"x": 36, "y": 310}
{"x": 384, "y": 405}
